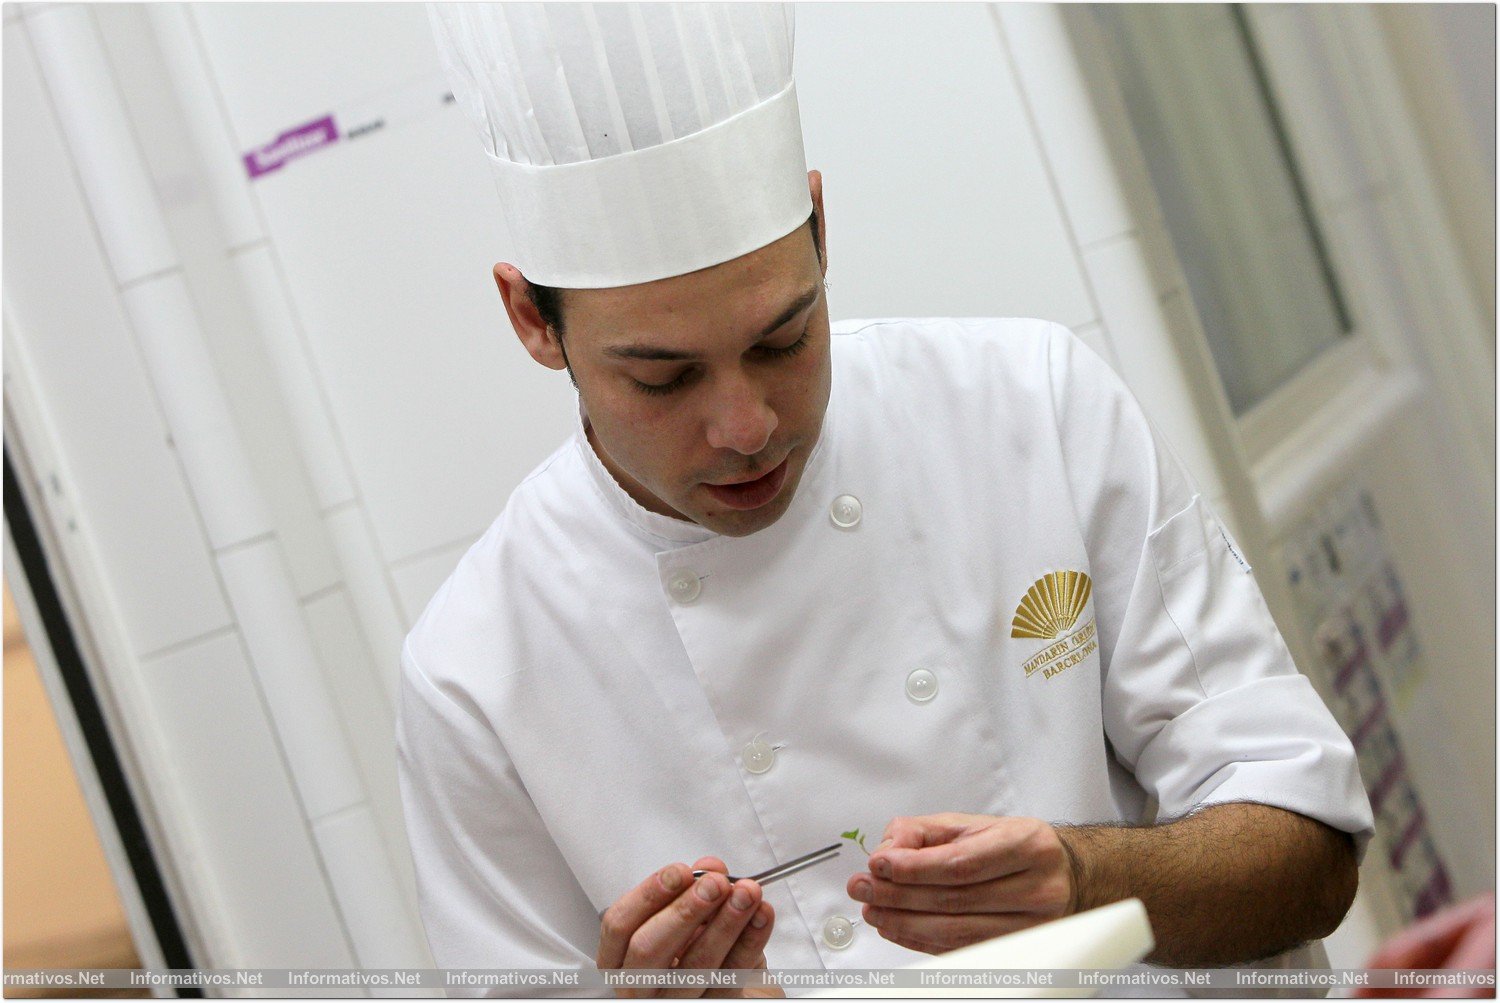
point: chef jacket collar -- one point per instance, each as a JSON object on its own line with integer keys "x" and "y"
{"x": 672, "y": 531}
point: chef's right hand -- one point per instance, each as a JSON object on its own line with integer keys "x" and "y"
{"x": 672, "y": 921}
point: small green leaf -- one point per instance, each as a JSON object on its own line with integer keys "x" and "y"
{"x": 856, "y": 837}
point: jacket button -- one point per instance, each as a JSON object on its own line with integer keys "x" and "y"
{"x": 846, "y": 511}
{"x": 758, "y": 757}
{"x": 838, "y": 932}
{"x": 683, "y": 585}
{"x": 921, "y": 686}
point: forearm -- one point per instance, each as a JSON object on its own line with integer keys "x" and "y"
{"x": 1230, "y": 883}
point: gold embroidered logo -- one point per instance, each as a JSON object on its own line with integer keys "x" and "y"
{"x": 1050, "y": 611}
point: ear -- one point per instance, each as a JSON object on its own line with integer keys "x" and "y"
{"x": 539, "y": 340}
{"x": 815, "y": 188}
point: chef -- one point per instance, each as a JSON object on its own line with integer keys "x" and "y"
{"x": 938, "y": 582}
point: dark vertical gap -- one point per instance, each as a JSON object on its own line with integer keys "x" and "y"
{"x": 1284, "y": 143}
{"x": 61, "y": 639}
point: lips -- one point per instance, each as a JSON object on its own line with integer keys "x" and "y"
{"x": 748, "y": 495}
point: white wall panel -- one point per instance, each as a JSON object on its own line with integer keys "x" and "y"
{"x": 365, "y": 710}
{"x": 1096, "y": 337}
{"x": 266, "y": 299}
{"x": 1064, "y": 118}
{"x": 417, "y": 579}
{"x": 198, "y": 93}
{"x": 271, "y": 891}
{"x": 1138, "y": 327}
{"x": 105, "y": 154}
{"x": 124, "y": 475}
{"x": 385, "y": 929}
{"x": 371, "y": 591}
{"x": 194, "y": 212}
{"x": 387, "y": 246}
{"x": 166, "y": 326}
{"x": 279, "y": 67}
{"x": 937, "y": 200}
{"x": 294, "y": 689}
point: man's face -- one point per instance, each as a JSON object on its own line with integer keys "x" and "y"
{"x": 697, "y": 382}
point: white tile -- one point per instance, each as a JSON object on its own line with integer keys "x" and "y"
{"x": 257, "y": 847}
{"x": 382, "y": 922}
{"x": 370, "y": 590}
{"x": 1096, "y": 337}
{"x": 937, "y": 199}
{"x": 203, "y": 429}
{"x": 317, "y": 442}
{"x": 119, "y": 468}
{"x": 1149, "y": 359}
{"x": 388, "y": 255}
{"x": 1079, "y": 154}
{"x": 283, "y": 65}
{"x": 31, "y": 8}
{"x": 362, "y": 704}
{"x": 293, "y": 681}
{"x": 417, "y": 580}
{"x": 196, "y": 93}
{"x": 105, "y": 150}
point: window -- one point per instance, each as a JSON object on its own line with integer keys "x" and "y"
{"x": 1232, "y": 200}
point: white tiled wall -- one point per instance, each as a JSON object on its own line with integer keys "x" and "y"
{"x": 937, "y": 200}
{"x": 120, "y": 466}
{"x": 244, "y": 802}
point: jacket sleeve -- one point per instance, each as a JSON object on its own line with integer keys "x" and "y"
{"x": 1201, "y": 699}
{"x": 492, "y": 887}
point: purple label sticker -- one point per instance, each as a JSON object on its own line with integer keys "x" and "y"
{"x": 291, "y": 144}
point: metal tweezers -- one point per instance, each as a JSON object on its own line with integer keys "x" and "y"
{"x": 780, "y": 871}
{"x": 790, "y": 867}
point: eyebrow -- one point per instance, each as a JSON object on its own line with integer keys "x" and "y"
{"x": 655, "y": 354}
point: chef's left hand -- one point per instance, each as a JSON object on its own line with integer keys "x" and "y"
{"x": 940, "y": 882}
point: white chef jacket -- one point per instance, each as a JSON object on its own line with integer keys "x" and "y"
{"x": 597, "y": 690}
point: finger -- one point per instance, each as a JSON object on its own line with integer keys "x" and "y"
{"x": 1475, "y": 949}
{"x": 1426, "y": 943}
{"x": 621, "y": 920}
{"x": 704, "y": 864}
{"x": 999, "y": 847}
{"x": 901, "y": 831}
{"x": 925, "y": 830}
{"x": 911, "y": 945}
{"x": 676, "y": 962}
{"x": 1030, "y": 891}
{"x": 664, "y": 936}
{"x": 721, "y": 933}
{"x": 749, "y": 951}
{"x": 945, "y": 932}
{"x": 960, "y": 863}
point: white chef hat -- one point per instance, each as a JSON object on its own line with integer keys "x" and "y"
{"x": 632, "y": 141}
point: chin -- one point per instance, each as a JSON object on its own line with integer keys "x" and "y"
{"x": 744, "y": 523}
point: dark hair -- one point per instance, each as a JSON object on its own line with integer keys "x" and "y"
{"x": 548, "y": 299}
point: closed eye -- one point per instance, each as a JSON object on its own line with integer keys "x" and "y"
{"x": 662, "y": 389}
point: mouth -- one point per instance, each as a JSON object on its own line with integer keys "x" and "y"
{"x": 752, "y": 494}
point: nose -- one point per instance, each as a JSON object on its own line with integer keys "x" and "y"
{"x": 740, "y": 417}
